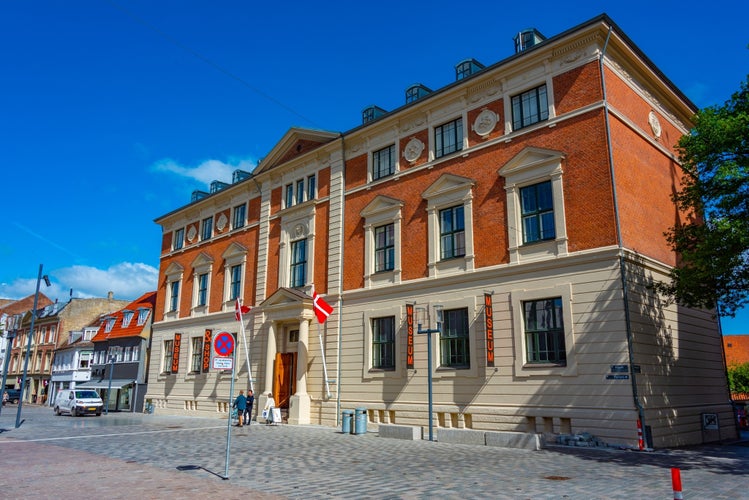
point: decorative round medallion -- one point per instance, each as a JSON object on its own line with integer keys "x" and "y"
{"x": 485, "y": 122}
{"x": 222, "y": 222}
{"x": 413, "y": 150}
{"x": 191, "y": 234}
{"x": 300, "y": 230}
{"x": 655, "y": 124}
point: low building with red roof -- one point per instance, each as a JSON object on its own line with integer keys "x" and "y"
{"x": 119, "y": 370}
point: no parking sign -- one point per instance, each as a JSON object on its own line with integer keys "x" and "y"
{"x": 223, "y": 345}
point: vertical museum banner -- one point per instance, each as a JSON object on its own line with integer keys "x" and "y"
{"x": 175, "y": 352}
{"x": 489, "y": 318}
{"x": 207, "y": 343}
{"x": 410, "y": 336}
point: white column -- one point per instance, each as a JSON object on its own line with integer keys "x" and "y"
{"x": 301, "y": 360}
{"x": 299, "y": 408}
{"x": 270, "y": 358}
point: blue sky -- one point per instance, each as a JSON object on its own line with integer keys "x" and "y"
{"x": 113, "y": 112}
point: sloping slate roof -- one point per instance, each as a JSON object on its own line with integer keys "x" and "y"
{"x": 133, "y": 329}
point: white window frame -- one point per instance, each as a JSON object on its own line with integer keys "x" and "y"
{"x": 532, "y": 166}
{"x": 380, "y": 211}
{"x": 127, "y": 317}
{"x": 234, "y": 255}
{"x": 471, "y": 303}
{"x": 368, "y": 371}
{"x": 297, "y": 224}
{"x": 178, "y": 239}
{"x": 448, "y": 191}
{"x": 202, "y": 264}
{"x": 242, "y": 222}
{"x": 522, "y": 367}
{"x": 173, "y": 273}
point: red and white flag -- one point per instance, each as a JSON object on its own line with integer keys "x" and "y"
{"x": 322, "y": 308}
{"x": 239, "y": 310}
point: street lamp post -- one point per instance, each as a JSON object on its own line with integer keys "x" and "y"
{"x": 114, "y": 351}
{"x": 28, "y": 343}
{"x": 429, "y": 332}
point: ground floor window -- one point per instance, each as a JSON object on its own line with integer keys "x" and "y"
{"x": 544, "y": 331}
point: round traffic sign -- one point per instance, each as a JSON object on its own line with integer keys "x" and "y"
{"x": 223, "y": 345}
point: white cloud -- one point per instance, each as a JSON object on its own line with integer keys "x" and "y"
{"x": 127, "y": 280}
{"x": 207, "y": 171}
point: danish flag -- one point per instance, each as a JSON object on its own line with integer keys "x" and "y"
{"x": 239, "y": 310}
{"x": 322, "y": 308}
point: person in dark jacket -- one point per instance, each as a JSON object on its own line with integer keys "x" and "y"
{"x": 248, "y": 409}
{"x": 241, "y": 405}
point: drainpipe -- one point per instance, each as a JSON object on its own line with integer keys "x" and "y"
{"x": 340, "y": 282}
{"x": 620, "y": 243}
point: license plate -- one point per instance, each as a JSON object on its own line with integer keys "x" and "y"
{"x": 92, "y": 408}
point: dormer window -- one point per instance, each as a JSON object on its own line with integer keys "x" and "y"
{"x": 109, "y": 325}
{"x": 142, "y": 315}
{"x": 127, "y": 316}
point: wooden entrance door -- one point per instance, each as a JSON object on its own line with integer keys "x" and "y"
{"x": 284, "y": 378}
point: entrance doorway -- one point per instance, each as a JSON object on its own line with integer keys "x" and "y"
{"x": 284, "y": 378}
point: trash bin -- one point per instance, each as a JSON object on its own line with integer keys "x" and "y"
{"x": 348, "y": 415}
{"x": 360, "y": 421}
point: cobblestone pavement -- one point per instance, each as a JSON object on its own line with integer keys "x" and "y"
{"x": 122, "y": 455}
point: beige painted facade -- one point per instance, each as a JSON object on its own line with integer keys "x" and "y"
{"x": 605, "y": 151}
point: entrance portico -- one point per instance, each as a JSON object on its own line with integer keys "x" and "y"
{"x": 287, "y": 317}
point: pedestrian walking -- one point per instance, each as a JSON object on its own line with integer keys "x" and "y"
{"x": 241, "y": 405}
{"x": 248, "y": 409}
{"x": 268, "y": 410}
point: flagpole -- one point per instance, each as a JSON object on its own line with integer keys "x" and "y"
{"x": 324, "y": 364}
{"x": 238, "y": 308}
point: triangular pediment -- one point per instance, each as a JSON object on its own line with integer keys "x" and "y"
{"x": 234, "y": 250}
{"x": 447, "y": 184}
{"x": 296, "y": 142}
{"x": 174, "y": 268}
{"x": 530, "y": 158}
{"x": 285, "y": 296}
{"x": 381, "y": 204}
{"x": 202, "y": 260}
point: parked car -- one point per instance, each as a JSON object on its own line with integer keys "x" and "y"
{"x": 78, "y": 402}
{"x": 14, "y": 395}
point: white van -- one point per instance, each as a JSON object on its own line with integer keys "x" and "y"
{"x": 78, "y": 402}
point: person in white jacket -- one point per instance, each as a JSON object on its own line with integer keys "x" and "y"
{"x": 269, "y": 405}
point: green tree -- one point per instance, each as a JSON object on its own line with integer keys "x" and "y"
{"x": 714, "y": 242}
{"x": 738, "y": 378}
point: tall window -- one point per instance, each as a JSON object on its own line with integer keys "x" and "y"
{"x": 454, "y": 344}
{"x": 173, "y": 295}
{"x": 127, "y": 317}
{"x": 530, "y": 107}
{"x": 298, "y": 263}
{"x": 448, "y": 138}
{"x": 383, "y": 343}
{"x": 196, "y": 359}
{"x": 537, "y": 211}
{"x": 311, "y": 187}
{"x": 179, "y": 238}
{"x": 203, "y": 289}
{"x": 239, "y": 215}
{"x": 385, "y": 247}
{"x": 206, "y": 229}
{"x": 383, "y": 162}
{"x": 452, "y": 232}
{"x": 289, "y": 198}
{"x": 544, "y": 331}
{"x": 168, "y": 354}
{"x": 300, "y": 191}
{"x": 235, "y": 284}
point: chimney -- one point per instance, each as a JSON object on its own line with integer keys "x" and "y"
{"x": 110, "y": 295}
